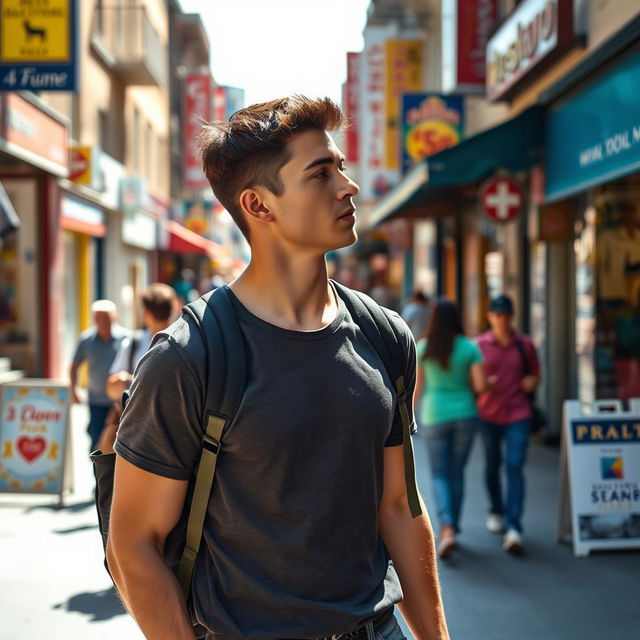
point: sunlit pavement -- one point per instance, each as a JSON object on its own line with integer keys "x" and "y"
{"x": 52, "y": 582}
{"x": 53, "y": 585}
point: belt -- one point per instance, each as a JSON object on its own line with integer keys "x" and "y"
{"x": 361, "y": 632}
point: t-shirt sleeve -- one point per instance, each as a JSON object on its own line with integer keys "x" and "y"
{"x": 160, "y": 430}
{"x": 408, "y": 344}
{"x": 475, "y": 354}
{"x": 80, "y": 355}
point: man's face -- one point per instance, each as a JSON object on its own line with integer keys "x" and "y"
{"x": 315, "y": 210}
{"x": 500, "y": 321}
{"x": 103, "y": 321}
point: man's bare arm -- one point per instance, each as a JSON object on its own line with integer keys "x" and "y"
{"x": 117, "y": 383}
{"x": 410, "y": 543}
{"x": 73, "y": 382}
{"x": 145, "y": 509}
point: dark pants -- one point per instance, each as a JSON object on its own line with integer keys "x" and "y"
{"x": 516, "y": 437}
{"x": 97, "y": 418}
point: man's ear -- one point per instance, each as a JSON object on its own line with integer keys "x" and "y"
{"x": 255, "y": 206}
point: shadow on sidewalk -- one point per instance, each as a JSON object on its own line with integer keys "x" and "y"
{"x": 99, "y": 605}
{"x": 75, "y": 507}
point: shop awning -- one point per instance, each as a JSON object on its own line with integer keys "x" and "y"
{"x": 8, "y": 217}
{"x": 182, "y": 240}
{"x": 514, "y": 145}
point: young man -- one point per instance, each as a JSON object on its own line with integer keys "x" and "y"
{"x": 97, "y": 347}
{"x": 159, "y": 307}
{"x": 505, "y": 411}
{"x": 308, "y": 532}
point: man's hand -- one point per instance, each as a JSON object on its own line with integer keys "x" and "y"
{"x": 75, "y": 398}
{"x": 529, "y": 383}
{"x": 117, "y": 383}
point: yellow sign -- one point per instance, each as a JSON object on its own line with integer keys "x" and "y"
{"x": 404, "y": 71}
{"x": 35, "y": 30}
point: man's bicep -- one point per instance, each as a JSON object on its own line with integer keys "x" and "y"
{"x": 145, "y": 505}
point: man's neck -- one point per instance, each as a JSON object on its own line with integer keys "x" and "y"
{"x": 504, "y": 338}
{"x": 292, "y": 293}
{"x": 105, "y": 336}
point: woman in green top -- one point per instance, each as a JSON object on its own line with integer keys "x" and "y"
{"x": 450, "y": 372}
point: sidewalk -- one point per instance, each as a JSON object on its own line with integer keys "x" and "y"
{"x": 546, "y": 594}
{"x": 53, "y": 585}
{"x": 52, "y": 581}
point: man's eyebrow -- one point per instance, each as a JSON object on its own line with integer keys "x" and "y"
{"x": 325, "y": 160}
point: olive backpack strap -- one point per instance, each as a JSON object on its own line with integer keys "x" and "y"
{"x": 226, "y": 368}
{"x": 383, "y": 337}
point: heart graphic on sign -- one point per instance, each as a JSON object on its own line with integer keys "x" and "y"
{"x": 31, "y": 448}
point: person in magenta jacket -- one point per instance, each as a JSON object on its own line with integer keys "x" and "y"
{"x": 505, "y": 412}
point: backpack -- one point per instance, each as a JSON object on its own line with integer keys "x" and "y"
{"x": 226, "y": 367}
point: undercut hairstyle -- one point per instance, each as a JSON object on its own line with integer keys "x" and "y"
{"x": 159, "y": 300}
{"x": 250, "y": 149}
{"x": 444, "y": 325}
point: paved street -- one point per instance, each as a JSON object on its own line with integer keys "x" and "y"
{"x": 53, "y": 586}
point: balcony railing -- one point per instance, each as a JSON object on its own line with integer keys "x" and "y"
{"x": 127, "y": 42}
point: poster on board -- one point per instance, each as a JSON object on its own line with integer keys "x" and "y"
{"x": 34, "y": 437}
{"x": 601, "y": 462}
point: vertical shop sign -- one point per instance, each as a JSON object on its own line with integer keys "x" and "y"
{"x": 220, "y": 104}
{"x": 430, "y": 123}
{"x": 352, "y": 106}
{"x": 466, "y": 27}
{"x": 197, "y": 109}
{"x": 38, "y": 45}
{"x": 404, "y": 64}
{"x": 374, "y": 181}
{"x": 34, "y": 428}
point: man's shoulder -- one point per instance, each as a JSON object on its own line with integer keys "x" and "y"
{"x": 483, "y": 338}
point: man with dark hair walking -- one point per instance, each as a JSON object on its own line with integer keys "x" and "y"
{"x": 159, "y": 307}
{"x": 308, "y": 533}
{"x": 505, "y": 409}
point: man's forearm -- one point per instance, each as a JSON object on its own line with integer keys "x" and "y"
{"x": 410, "y": 543}
{"x": 151, "y": 593}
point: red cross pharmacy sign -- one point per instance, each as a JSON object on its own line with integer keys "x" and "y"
{"x": 502, "y": 199}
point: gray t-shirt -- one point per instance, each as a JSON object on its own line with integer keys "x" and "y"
{"x": 99, "y": 355}
{"x": 291, "y": 539}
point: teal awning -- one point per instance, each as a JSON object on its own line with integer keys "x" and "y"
{"x": 515, "y": 145}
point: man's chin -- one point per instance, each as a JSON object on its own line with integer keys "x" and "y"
{"x": 347, "y": 241}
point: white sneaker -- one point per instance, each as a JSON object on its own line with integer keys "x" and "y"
{"x": 512, "y": 542}
{"x": 494, "y": 523}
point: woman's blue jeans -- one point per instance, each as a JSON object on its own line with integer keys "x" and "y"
{"x": 448, "y": 446}
{"x": 516, "y": 437}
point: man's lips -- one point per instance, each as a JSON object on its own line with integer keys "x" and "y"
{"x": 349, "y": 213}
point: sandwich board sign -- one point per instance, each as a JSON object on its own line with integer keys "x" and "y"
{"x": 600, "y": 476}
{"x": 34, "y": 437}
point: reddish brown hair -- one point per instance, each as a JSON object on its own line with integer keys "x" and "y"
{"x": 250, "y": 149}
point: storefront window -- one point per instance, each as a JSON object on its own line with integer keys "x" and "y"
{"x": 618, "y": 290}
{"x": 608, "y": 293}
{"x": 8, "y": 282}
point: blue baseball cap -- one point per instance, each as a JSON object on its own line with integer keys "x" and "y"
{"x": 501, "y": 304}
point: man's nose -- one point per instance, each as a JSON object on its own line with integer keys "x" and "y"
{"x": 349, "y": 188}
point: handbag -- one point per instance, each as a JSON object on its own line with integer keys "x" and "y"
{"x": 538, "y": 417}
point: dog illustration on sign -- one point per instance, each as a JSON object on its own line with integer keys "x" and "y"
{"x": 31, "y": 31}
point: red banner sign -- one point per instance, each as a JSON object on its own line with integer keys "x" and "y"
{"x": 352, "y": 106}
{"x": 197, "y": 107}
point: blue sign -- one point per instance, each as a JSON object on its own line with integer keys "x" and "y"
{"x": 594, "y": 136}
{"x": 39, "y": 45}
{"x": 430, "y": 123}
